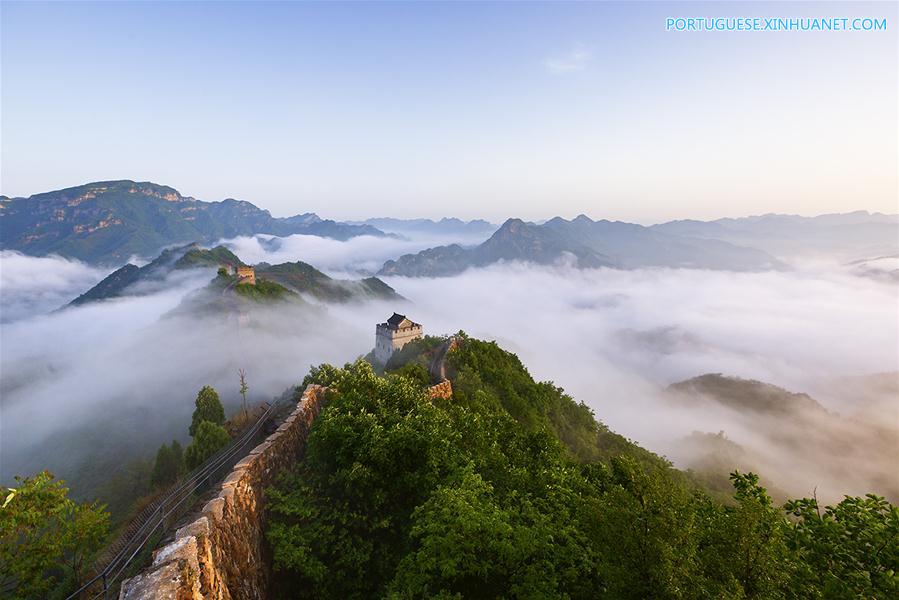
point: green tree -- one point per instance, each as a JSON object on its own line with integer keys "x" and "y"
{"x": 514, "y": 490}
{"x": 380, "y": 447}
{"x": 643, "y": 533}
{"x": 208, "y": 408}
{"x": 210, "y": 438}
{"x": 465, "y": 544}
{"x": 742, "y": 547}
{"x": 850, "y": 550}
{"x": 45, "y": 537}
{"x": 169, "y": 464}
{"x": 399, "y": 495}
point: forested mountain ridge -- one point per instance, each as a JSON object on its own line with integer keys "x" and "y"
{"x": 297, "y": 277}
{"x": 481, "y": 496}
{"x": 151, "y": 276}
{"x": 303, "y": 278}
{"x": 109, "y": 221}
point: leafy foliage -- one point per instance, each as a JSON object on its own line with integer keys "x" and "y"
{"x": 210, "y": 438}
{"x": 208, "y": 408}
{"x": 507, "y": 491}
{"x": 45, "y": 537}
{"x": 169, "y": 465}
{"x": 417, "y": 352}
{"x": 201, "y": 257}
{"x": 850, "y": 550}
{"x": 263, "y": 290}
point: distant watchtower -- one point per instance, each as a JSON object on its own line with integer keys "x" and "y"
{"x": 393, "y": 335}
{"x": 246, "y": 275}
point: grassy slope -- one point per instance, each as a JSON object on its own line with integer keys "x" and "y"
{"x": 484, "y": 374}
{"x": 200, "y": 257}
{"x": 306, "y": 279}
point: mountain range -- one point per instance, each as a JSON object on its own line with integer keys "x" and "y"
{"x": 850, "y": 236}
{"x": 108, "y": 222}
{"x": 296, "y": 277}
{"x": 589, "y": 244}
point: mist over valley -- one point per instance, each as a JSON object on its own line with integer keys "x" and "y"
{"x": 113, "y": 374}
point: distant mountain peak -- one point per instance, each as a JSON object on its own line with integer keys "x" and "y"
{"x": 513, "y": 225}
{"x": 126, "y": 186}
{"x": 107, "y": 222}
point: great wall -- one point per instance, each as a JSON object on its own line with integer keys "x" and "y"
{"x": 222, "y": 554}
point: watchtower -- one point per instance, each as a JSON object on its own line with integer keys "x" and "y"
{"x": 246, "y": 275}
{"x": 392, "y": 335}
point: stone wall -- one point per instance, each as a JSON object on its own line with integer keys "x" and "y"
{"x": 444, "y": 390}
{"x": 222, "y": 555}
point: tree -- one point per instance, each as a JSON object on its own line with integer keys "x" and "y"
{"x": 465, "y": 545}
{"x": 168, "y": 466}
{"x": 500, "y": 493}
{"x": 45, "y": 536}
{"x": 209, "y": 408}
{"x": 742, "y": 549}
{"x": 243, "y": 389}
{"x": 646, "y": 518}
{"x": 399, "y": 497}
{"x": 850, "y": 550}
{"x": 210, "y": 438}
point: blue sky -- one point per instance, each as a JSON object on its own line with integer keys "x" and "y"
{"x": 469, "y": 109}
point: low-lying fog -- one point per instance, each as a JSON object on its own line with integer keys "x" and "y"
{"x": 359, "y": 255}
{"x": 112, "y": 381}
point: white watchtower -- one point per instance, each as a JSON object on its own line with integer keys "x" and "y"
{"x": 393, "y": 335}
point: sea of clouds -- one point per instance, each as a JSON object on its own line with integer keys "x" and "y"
{"x": 360, "y": 255}
{"x": 119, "y": 377}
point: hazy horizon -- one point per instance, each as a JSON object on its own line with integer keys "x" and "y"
{"x": 496, "y": 221}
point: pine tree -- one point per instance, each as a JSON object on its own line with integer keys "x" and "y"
{"x": 209, "y": 408}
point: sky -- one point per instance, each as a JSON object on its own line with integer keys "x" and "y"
{"x": 475, "y": 110}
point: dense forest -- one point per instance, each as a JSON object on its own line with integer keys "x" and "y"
{"x": 512, "y": 489}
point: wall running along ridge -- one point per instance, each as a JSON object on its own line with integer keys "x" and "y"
{"x": 221, "y": 555}
{"x": 444, "y": 390}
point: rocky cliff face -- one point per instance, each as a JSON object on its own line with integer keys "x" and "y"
{"x": 222, "y": 554}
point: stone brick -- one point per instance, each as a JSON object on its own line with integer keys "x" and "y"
{"x": 219, "y": 556}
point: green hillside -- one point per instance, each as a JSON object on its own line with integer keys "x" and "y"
{"x": 152, "y": 276}
{"x": 273, "y": 281}
{"x": 201, "y": 257}
{"x": 306, "y": 279}
{"x": 510, "y": 489}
